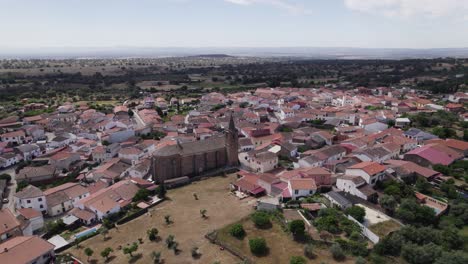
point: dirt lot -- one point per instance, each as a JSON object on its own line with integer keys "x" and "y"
{"x": 280, "y": 243}
{"x": 188, "y": 228}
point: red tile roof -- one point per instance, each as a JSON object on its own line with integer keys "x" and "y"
{"x": 369, "y": 167}
{"x": 24, "y": 249}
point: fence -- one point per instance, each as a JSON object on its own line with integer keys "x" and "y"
{"x": 366, "y": 231}
{"x": 212, "y": 237}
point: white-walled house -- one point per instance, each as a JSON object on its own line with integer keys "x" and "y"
{"x": 370, "y": 171}
{"x": 31, "y": 197}
{"x": 301, "y": 187}
{"x": 9, "y": 159}
{"x": 35, "y": 218}
{"x": 16, "y": 137}
{"x": 62, "y": 198}
{"x": 357, "y": 186}
{"x": 260, "y": 162}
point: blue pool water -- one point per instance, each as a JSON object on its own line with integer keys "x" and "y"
{"x": 86, "y": 232}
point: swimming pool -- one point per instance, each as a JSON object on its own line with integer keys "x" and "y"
{"x": 86, "y": 232}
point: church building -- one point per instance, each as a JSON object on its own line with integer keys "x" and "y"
{"x": 194, "y": 158}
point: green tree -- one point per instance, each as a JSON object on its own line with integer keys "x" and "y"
{"x": 297, "y": 260}
{"x": 423, "y": 186}
{"x": 170, "y": 241}
{"x": 88, "y": 252}
{"x": 156, "y": 256}
{"x": 152, "y": 233}
{"x": 360, "y": 260}
{"x": 337, "y": 252}
{"x": 106, "y": 252}
{"x": 237, "y": 230}
{"x": 390, "y": 245}
{"x": 261, "y": 219}
{"x": 141, "y": 195}
{"x": 452, "y": 257}
{"x": 388, "y": 203}
{"x": 104, "y": 232}
{"x": 297, "y": 228}
{"x": 413, "y": 213}
{"x": 309, "y": 251}
{"x": 203, "y": 213}
{"x": 168, "y": 219}
{"x": 357, "y": 212}
{"x": 129, "y": 250}
{"x": 415, "y": 254}
{"x": 258, "y": 246}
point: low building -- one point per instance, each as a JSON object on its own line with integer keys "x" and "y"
{"x": 9, "y": 225}
{"x": 109, "y": 200}
{"x": 9, "y": 159}
{"x": 301, "y": 187}
{"x": 31, "y": 197}
{"x": 15, "y": 137}
{"x": 336, "y": 199}
{"x": 433, "y": 154}
{"x": 62, "y": 198}
{"x": 27, "y": 250}
{"x": 402, "y": 122}
{"x": 34, "y": 217}
{"x": 370, "y": 171}
{"x": 37, "y": 174}
{"x": 63, "y": 160}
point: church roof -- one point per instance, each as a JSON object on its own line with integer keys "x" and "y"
{"x": 188, "y": 148}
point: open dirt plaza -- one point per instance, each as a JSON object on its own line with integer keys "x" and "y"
{"x": 189, "y": 228}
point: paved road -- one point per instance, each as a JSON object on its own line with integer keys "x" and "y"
{"x": 11, "y": 187}
{"x": 140, "y": 123}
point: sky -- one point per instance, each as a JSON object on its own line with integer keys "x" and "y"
{"x": 234, "y": 23}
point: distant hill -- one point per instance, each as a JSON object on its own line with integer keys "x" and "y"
{"x": 225, "y": 52}
{"x": 212, "y": 56}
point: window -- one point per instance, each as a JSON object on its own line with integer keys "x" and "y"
{"x": 39, "y": 199}
{"x": 41, "y": 206}
{"x": 296, "y": 192}
{"x": 28, "y": 201}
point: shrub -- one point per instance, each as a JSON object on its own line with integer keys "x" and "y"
{"x": 6, "y": 177}
{"x": 258, "y": 246}
{"x": 297, "y": 260}
{"x": 261, "y": 219}
{"x": 360, "y": 260}
{"x": 357, "y": 213}
{"x": 337, "y": 252}
{"x": 141, "y": 195}
{"x": 309, "y": 251}
{"x": 152, "y": 233}
{"x": 297, "y": 228}
{"x": 237, "y": 230}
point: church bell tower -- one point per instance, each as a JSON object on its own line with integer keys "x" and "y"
{"x": 232, "y": 143}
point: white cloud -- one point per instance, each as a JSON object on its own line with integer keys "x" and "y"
{"x": 409, "y": 8}
{"x": 287, "y": 5}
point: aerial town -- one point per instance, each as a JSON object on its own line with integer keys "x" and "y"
{"x": 320, "y": 172}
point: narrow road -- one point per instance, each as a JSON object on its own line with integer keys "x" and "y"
{"x": 11, "y": 188}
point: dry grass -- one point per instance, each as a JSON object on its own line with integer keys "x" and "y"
{"x": 382, "y": 229}
{"x": 280, "y": 243}
{"x": 188, "y": 228}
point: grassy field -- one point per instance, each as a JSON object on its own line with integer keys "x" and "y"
{"x": 280, "y": 243}
{"x": 188, "y": 227}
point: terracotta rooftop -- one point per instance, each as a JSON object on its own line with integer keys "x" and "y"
{"x": 369, "y": 167}
{"x": 24, "y": 249}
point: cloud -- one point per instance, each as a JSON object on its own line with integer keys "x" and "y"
{"x": 287, "y": 5}
{"x": 410, "y": 8}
